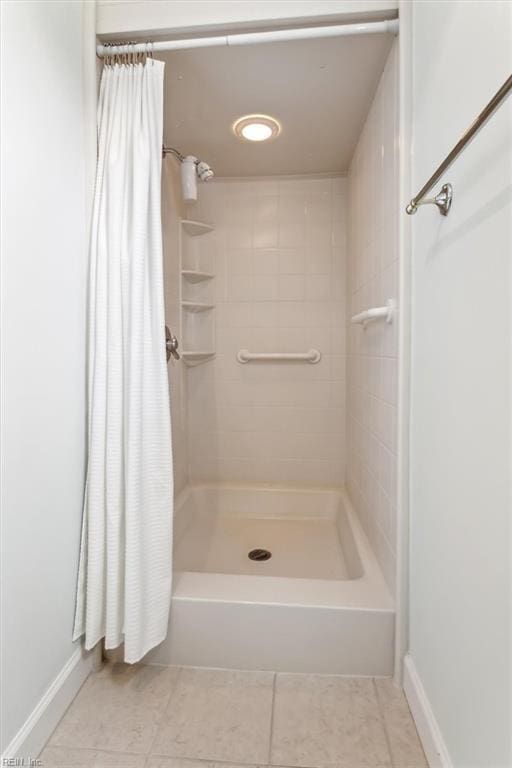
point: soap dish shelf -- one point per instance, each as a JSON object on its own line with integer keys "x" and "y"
{"x": 194, "y": 276}
{"x": 194, "y": 358}
{"x": 196, "y": 297}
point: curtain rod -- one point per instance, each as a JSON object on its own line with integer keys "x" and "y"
{"x": 250, "y": 38}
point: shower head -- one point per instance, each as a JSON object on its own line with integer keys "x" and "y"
{"x": 204, "y": 171}
{"x": 191, "y": 168}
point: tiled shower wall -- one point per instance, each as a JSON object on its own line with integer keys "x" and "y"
{"x": 173, "y": 210}
{"x": 373, "y": 353}
{"x": 280, "y": 287}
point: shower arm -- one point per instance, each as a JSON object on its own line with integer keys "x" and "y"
{"x": 175, "y": 152}
{"x": 203, "y": 170}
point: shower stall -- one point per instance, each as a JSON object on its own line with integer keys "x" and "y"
{"x": 272, "y": 517}
{"x": 282, "y": 295}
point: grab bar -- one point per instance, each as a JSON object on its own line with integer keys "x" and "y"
{"x": 313, "y": 356}
{"x": 443, "y": 200}
{"x": 375, "y": 313}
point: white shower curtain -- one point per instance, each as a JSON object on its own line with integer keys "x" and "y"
{"x": 124, "y": 581}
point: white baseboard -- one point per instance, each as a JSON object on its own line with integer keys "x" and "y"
{"x": 37, "y": 729}
{"x": 426, "y": 723}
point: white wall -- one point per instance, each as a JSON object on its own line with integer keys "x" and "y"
{"x": 280, "y": 286}
{"x": 372, "y": 362}
{"x": 157, "y": 16}
{"x": 460, "y": 566}
{"x": 43, "y": 345}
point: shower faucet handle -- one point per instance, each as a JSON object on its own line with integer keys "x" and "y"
{"x": 171, "y": 345}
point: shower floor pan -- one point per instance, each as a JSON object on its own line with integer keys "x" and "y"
{"x": 319, "y": 603}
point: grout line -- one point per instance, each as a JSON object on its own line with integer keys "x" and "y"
{"x": 163, "y": 712}
{"x": 384, "y": 724}
{"x": 274, "y": 682}
{"x": 208, "y": 761}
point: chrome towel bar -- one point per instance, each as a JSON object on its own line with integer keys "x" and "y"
{"x": 312, "y": 356}
{"x": 443, "y": 200}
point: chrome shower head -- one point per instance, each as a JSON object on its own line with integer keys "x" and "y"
{"x": 204, "y": 171}
{"x": 191, "y": 170}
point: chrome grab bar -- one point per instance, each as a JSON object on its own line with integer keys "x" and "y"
{"x": 444, "y": 199}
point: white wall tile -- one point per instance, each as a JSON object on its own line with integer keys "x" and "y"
{"x": 239, "y": 261}
{"x": 372, "y": 279}
{"x": 318, "y": 288}
{"x": 239, "y": 288}
{"x": 291, "y": 287}
{"x": 292, "y": 261}
{"x": 265, "y": 261}
{"x": 280, "y": 287}
{"x": 265, "y": 288}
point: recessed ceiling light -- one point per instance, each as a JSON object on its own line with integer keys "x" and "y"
{"x": 256, "y": 127}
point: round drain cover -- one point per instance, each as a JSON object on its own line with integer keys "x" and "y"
{"x": 259, "y": 554}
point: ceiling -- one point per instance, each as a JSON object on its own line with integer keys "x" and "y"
{"x": 319, "y": 90}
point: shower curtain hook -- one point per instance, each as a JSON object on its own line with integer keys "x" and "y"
{"x": 109, "y": 59}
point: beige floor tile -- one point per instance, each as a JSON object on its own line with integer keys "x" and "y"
{"x": 118, "y": 709}
{"x": 406, "y": 749}
{"x": 119, "y": 760}
{"x": 327, "y": 722}
{"x": 62, "y": 757}
{"x": 182, "y": 762}
{"x": 218, "y": 715}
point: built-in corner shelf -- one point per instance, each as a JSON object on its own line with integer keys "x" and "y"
{"x": 196, "y": 227}
{"x": 196, "y": 306}
{"x": 194, "y": 358}
{"x": 197, "y": 270}
{"x": 194, "y": 276}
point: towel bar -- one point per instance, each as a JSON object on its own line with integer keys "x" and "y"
{"x": 443, "y": 200}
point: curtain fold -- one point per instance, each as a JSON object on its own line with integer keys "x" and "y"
{"x": 125, "y": 570}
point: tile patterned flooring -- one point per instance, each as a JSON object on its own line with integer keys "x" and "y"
{"x": 167, "y": 717}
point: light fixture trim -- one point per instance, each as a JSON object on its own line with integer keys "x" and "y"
{"x": 256, "y": 128}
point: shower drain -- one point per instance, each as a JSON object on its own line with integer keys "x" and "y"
{"x": 259, "y": 554}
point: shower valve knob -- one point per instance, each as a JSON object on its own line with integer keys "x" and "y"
{"x": 171, "y": 345}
